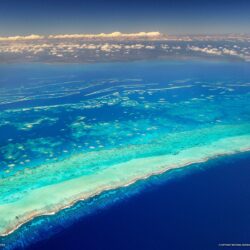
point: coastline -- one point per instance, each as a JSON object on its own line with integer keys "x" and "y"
{"x": 185, "y": 158}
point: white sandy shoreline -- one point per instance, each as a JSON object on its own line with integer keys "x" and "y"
{"x": 37, "y": 203}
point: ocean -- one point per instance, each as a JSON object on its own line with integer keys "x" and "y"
{"x": 157, "y": 151}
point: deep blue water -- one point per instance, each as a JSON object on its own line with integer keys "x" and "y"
{"x": 199, "y": 210}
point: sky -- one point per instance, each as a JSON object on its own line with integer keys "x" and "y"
{"x": 22, "y": 17}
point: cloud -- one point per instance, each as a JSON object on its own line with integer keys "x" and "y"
{"x": 20, "y": 38}
{"x": 150, "y": 47}
{"x": 230, "y": 52}
{"x": 116, "y": 34}
{"x": 207, "y": 50}
{"x": 134, "y": 46}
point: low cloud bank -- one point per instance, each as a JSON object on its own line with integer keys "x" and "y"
{"x": 20, "y": 38}
{"x": 116, "y": 34}
{"x": 88, "y": 36}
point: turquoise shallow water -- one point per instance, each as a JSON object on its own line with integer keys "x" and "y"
{"x": 102, "y": 126}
